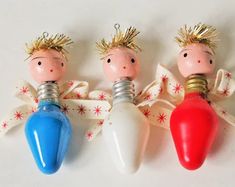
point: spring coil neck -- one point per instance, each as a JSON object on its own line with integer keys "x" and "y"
{"x": 123, "y": 91}
{"x": 197, "y": 83}
{"x": 48, "y": 91}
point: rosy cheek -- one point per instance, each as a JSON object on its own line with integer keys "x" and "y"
{"x": 180, "y": 61}
{"x": 58, "y": 67}
{"x": 135, "y": 71}
{"x": 109, "y": 65}
{"x": 109, "y": 68}
{"x": 40, "y": 69}
{"x": 137, "y": 67}
{"x": 35, "y": 68}
{"x": 62, "y": 70}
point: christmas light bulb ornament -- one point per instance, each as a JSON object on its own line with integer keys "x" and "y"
{"x": 125, "y": 129}
{"x": 194, "y": 123}
{"x": 48, "y": 130}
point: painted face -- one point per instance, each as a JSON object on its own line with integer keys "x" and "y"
{"x": 121, "y": 62}
{"x": 47, "y": 65}
{"x": 196, "y": 59}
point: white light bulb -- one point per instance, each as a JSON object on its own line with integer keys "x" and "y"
{"x": 125, "y": 130}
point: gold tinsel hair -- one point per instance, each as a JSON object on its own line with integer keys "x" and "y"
{"x": 120, "y": 39}
{"x": 57, "y": 42}
{"x": 200, "y": 33}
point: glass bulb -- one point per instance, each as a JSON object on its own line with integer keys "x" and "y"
{"x": 126, "y": 132}
{"x": 194, "y": 126}
{"x": 48, "y": 132}
{"x": 126, "y": 129}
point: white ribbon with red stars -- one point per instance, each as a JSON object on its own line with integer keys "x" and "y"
{"x": 74, "y": 101}
{"x": 160, "y": 97}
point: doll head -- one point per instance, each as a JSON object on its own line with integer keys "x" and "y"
{"x": 121, "y": 62}
{"x": 120, "y": 59}
{"x": 47, "y": 57}
{"x": 197, "y": 54}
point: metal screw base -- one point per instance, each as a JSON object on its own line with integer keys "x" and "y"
{"x": 123, "y": 91}
{"x": 48, "y": 91}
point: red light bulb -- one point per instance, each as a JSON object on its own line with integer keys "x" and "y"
{"x": 194, "y": 125}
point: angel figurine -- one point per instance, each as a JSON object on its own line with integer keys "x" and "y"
{"x": 126, "y": 127}
{"x": 48, "y": 129}
{"x": 194, "y": 109}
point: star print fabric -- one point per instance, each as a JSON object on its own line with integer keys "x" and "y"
{"x": 73, "y": 98}
{"x": 159, "y": 98}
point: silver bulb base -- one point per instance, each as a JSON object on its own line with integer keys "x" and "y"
{"x": 48, "y": 92}
{"x": 123, "y": 91}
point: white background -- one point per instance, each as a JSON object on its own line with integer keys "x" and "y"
{"x": 88, "y": 164}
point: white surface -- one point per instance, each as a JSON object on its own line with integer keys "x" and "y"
{"x": 89, "y": 164}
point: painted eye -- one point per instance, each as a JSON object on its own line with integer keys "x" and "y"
{"x": 39, "y": 63}
{"x": 109, "y": 60}
{"x": 185, "y": 54}
{"x": 132, "y": 60}
{"x": 211, "y": 61}
{"x": 62, "y": 64}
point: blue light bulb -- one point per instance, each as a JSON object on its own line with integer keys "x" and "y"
{"x": 48, "y": 132}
